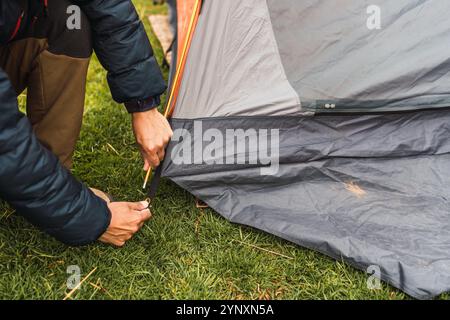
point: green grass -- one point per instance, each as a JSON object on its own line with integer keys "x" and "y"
{"x": 183, "y": 253}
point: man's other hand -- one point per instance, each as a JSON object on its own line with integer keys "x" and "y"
{"x": 153, "y": 133}
{"x": 127, "y": 218}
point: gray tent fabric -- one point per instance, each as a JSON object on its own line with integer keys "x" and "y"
{"x": 331, "y": 56}
{"x": 323, "y": 132}
{"x": 243, "y": 63}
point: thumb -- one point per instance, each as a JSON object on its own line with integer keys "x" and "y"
{"x": 145, "y": 215}
{"x": 146, "y": 163}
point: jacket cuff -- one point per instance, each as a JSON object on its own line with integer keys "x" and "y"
{"x": 143, "y": 105}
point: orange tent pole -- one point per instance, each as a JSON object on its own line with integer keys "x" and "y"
{"x": 183, "y": 58}
{"x": 181, "y": 63}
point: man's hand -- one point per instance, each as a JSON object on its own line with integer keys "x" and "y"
{"x": 153, "y": 133}
{"x": 126, "y": 219}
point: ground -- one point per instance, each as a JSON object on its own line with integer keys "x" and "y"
{"x": 183, "y": 253}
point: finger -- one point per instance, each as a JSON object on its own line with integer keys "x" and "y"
{"x": 145, "y": 215}
{"x": 134, "y": 226}
{"x": 161, "y": 154}
{"x": 153, "y": 159}
{"x": 138, "y": 206}
{"x": 155, "y": 163}
{"x": 118, "y": 243}
{"x": 146, "y": 165}
{"x": 128, "y": 237}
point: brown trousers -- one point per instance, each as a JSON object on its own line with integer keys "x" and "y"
{"x": 51, "y": 62}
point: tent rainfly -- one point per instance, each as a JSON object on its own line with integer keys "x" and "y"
{"x": 326, "y": 123}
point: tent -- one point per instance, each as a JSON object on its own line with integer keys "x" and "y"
{"x": 325, "y": 123}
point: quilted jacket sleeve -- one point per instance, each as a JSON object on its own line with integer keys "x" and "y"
{"x": 9, "y": 11}
{"x": 123, "y": 48}
{"x": 34, "y": 183}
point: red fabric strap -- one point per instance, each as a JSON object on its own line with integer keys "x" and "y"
{"x": 17, "y": 27}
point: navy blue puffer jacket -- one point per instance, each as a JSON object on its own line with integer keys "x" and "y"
{"x": 122, "y": 45}
{"x": 34, "y": 182}
{"x": 31, "y": 178}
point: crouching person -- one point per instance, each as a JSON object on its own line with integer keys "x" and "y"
{"x": 38, "y": 52}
